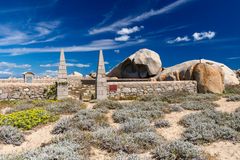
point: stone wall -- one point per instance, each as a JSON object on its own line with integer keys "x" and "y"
{"x": 127, "y": 90}
{"x": 17, "y": 91}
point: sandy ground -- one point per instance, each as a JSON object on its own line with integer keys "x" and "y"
{"x": 174, "y": 131}
{"x": 227, "y": 106}
{"x": 34, "y": 139}
{"x": 222, "y": 150}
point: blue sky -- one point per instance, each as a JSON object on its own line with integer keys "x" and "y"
{"x": 32, "y": 32}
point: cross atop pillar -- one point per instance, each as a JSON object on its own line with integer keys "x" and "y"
{"x": 101, "y": 80}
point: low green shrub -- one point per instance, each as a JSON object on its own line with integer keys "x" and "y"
{"x": 109, "y": 104}
{"x": 11, "y": 135}
{"x": 125, "y": 156}
{"x": 232, "y": 89}
{"x": 110, "y": 140}
{"x": 179, "y": 97}
{"x": 208, "y": 132}
{"x": 84, "y": 120}
{"x": 198, "y": 105}
{"x": 20, "y": 107}
{"x": 64, "y": 150}
{"x": 135, "y": 125}
{"x": 114, "y": 141}
{"x": 177, "y": 150}
{"x": 162, "y": 124}
{"x": 27, "y": 119}
{"x": 211, "y": 125}
{"x": 144, "y": 110}
{"x": 233, "y": 98}
{"x": 66, "y": 106}
{"x": 61, "y": 126}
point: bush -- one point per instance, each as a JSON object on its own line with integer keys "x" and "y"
{"x": 232, "y": 89}
{"x": 27, "y": 119}
{"x": 179, "y": 97}
{"x": 62, "y": 150}
{"x": 162, "y": 124}
{"x": 109, "y": 139}
{"x": 202, "y": 97}
{"x": 198, "y": 105}
{"x": 109, "y": 104}
{"x": 136, "y": 125}
{"x": 210, "y": 125}
{"x": 169, "y": 97}
{"x": 124, "y": 156}
{"x": 176, "y": 108}
{"x": 114, "y": 140}
{"x": 89, "y": 120}
{"x": 177, "y": 150}
{"x": 233, "y": 98}
{"x": 66, "y": 106}
{"x": 234, "y": 121}
{"x": 11, "y": 135}
{"x": 61, "y": 126}
{"x": 208, "y": 132}
{"x": 20, "y": 107}
{"x": 147, "y": 140}
{"x": 144, "y": 110}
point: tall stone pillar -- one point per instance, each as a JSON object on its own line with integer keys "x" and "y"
{"x": 101, "y": 80}
{"x": 62, "y": 83}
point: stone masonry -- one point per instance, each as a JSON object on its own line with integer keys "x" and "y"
{"x": 127, "y": 90}
{"x": 101, "y": 80}
{"x": 13, "y": 91}
{"x": 62, "y": 83}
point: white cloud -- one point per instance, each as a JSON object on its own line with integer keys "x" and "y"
{"x": 79, "y": 65}
{"x": 103, "y": 44}
{"x": 133, "y": 19}
{"x": 117, "y": 51}
{"x": 233, "y": 58}
{"x": 13, "y": 65}
{"x": 126, "y": 31}
{"x": 6, "y": 73}
{"x": 179, "y": 39}
{"x": 203, "y": 35}
{"x": 122, "y": 38}
{"x": 51, "y": 73}
{"x": 106, "y": 63}
{"x": 40, "y": 33}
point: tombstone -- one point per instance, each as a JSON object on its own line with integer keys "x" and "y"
{"x": 101, "y": 80}
{"x": 62, "y": 82}
{"x": 28, "y": 77}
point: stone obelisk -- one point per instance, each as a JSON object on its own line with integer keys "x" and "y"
{"x": 101, "y": 80}
{"x": 62, "y": 82}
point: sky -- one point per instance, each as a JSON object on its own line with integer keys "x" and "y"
{"x": 32, "y": 32}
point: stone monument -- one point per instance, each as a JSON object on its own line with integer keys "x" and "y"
{"x": 101, "y": 80}
{"x": 62, "y": 82}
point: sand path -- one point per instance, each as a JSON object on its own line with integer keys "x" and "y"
{"x": 175, "y": 130}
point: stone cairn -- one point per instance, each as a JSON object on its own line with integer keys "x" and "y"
{"x": 62, "y": 82}
{"x": 101, "y": 80}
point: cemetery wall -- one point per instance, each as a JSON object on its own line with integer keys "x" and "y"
{"x": 128, "y": 90}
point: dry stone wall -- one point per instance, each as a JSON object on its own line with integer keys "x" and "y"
{"x": 21, "y": 91}
{"x": 127, "y": 90}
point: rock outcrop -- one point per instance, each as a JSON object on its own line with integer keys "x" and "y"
{"x": 184, "y": 71}
{"x": 210, "y": 78}
{"x": 142, "y": 64}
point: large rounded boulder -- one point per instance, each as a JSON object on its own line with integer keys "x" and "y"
{"x": 184, "y": 71}
{"x": 210, "y": 78}
{"x": 144, "y": 63}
